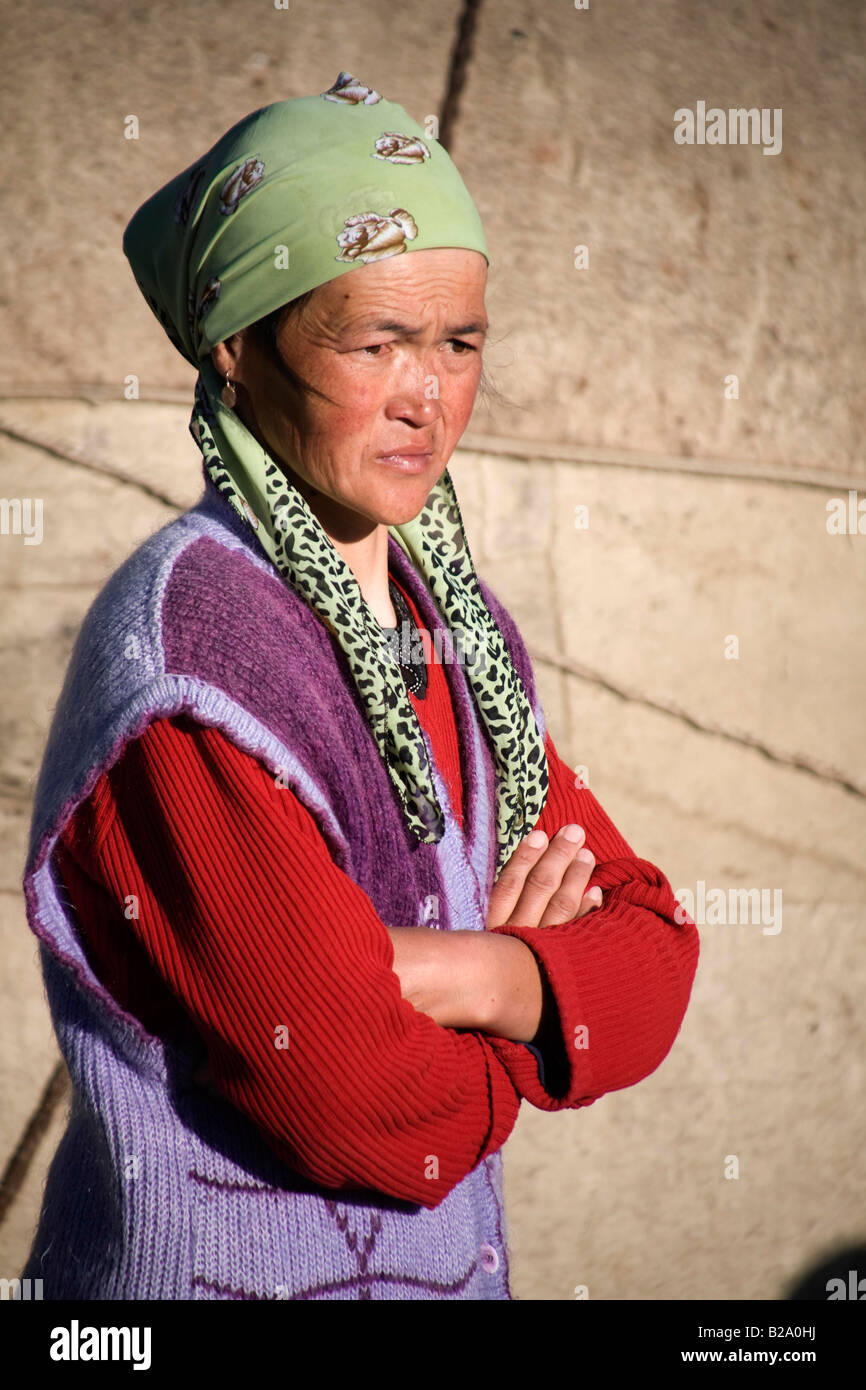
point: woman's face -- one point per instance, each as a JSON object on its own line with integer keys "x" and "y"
{"x": 394, "y": 348}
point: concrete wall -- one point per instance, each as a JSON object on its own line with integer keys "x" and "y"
{"x": 661, "y": 537}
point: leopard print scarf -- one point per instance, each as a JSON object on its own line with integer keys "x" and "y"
{"x": 435, "y": 541}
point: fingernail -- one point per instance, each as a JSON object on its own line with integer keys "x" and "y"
{"x": 586, "y": 856}
{"x": 536, "y": 839}
{"x": 573, "y": 833}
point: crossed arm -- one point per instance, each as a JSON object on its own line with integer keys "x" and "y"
{"x": 468, "y": 979}
{"x": 371, "y": 1083}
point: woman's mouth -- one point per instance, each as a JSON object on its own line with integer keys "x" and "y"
{"x": 407, "y": 460}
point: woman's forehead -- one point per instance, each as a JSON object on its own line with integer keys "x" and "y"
{"x": 446, "y": 279}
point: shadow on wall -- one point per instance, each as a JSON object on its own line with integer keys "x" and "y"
{"x": 841, "y": 1276}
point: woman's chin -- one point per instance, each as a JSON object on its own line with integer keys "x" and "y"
{"x": 400, "y": 516}
{"x": 403, "y": 503}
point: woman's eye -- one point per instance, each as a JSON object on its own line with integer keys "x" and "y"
{"x": 458, "y": 345}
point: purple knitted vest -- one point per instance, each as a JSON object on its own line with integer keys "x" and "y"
{"x": 159, "y": 1188}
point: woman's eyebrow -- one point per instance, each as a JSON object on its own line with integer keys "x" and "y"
{"x": 406, "y": 331}
{"x": 476, "y": 326}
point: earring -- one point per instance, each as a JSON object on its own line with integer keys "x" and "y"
{"x": 228, "y": 395}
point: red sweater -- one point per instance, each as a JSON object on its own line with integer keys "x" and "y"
{"x": 206, "y": 891}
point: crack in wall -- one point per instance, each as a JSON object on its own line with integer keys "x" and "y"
{"x": 461, "y": 56}
{"x": 57, "y": 1090}
{"x": 78, "y": 455}
{"x": 824, "y": 773}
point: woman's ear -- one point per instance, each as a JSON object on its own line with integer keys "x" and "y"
{"x": 226, "y": 356}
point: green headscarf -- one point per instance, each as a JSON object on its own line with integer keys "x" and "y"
{"x": 291, "y": 197}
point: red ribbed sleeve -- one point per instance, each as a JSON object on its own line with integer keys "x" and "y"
{"x": 231, "y": 895}
{"x": 620, "y": 977}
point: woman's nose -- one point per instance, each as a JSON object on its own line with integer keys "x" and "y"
{"x": 416, "y": 401}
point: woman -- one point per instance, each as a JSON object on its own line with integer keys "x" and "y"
{"x": 317, "y": 908}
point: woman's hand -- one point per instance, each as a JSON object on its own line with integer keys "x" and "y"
{"x": 467, "y": 979}
{"x": 544, "y": 882}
